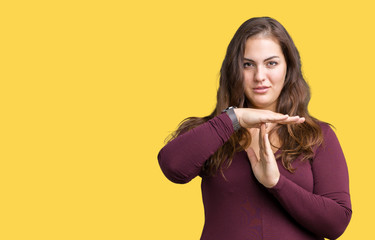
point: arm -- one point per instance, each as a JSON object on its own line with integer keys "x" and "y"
{"x": 327, "y": 210}
{"x": 182, "y": 159}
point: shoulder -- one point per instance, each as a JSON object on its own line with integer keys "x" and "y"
{"x": 329, "y": 137}
{"x": 326, "y": 129}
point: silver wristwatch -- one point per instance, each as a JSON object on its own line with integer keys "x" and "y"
{"x": 233, "y": 117}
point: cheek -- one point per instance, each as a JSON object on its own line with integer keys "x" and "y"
{"x": 247, "y": 78}
{"x": 278, "y": 77}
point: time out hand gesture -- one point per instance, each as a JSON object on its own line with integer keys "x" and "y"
{"x": 250, "y": 117}
{"x": 265, "y": 168}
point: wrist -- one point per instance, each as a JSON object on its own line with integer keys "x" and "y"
{"x": 238, "y": 112}
{"x": 230, "y": 111}
{"x": 274, "y": 182}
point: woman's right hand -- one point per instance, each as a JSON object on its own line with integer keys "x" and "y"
{"x": 253, "y": 118}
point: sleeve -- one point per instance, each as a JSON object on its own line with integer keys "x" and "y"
{"x": 181, "y": 159}
{"x": 327, "y": 210}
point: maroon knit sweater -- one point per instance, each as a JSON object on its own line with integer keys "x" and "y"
{"x": 312, "y": 203}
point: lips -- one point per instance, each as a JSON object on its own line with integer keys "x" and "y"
{"x": 262, "y": 89}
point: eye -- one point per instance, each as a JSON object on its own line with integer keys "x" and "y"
{"x": 272, "y": 63}
{"x": 247, "y": 64}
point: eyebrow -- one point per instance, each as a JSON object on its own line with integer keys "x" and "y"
{"x": 264, "y": 59}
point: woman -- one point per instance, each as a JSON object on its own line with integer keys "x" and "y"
{"x": 269, "y": 170}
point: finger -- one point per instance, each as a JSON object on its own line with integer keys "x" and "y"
{"x": 267, "y": 145}
{"x": 260, "y": 138}
{"x": 269, "y": 126}
{"x": 263, "y": 128}
{"x": 283, "y": 120}
{"x": 252, "y": 156}
{"x": 292, "y": 120}
{"x": 262, "y": 150}
{"x": 275, "y": 117}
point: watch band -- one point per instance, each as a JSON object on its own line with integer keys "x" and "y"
{"x": 232, "y": 115}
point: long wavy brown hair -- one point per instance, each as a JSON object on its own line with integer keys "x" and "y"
{"x": 295, "y": 139}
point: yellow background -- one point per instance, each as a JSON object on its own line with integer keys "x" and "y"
{"x": 90, "y": 89}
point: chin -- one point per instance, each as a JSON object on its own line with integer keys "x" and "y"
{"x": 266, "y": 106}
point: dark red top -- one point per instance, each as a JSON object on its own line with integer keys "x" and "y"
{"x": 312, "y": 203}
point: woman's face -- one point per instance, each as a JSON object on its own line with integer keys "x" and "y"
{"x": 264, "y": 71}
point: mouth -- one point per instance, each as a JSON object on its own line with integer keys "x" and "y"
{"x": 262, "y": 89}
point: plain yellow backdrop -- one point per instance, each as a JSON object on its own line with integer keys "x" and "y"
{"x": 90, "y": 89}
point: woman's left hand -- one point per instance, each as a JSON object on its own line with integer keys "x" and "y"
{"x": 265, "y": 168}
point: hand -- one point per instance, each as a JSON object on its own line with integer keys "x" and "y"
{"x": 250, "y": 117}
{"x": 265, "y": 168}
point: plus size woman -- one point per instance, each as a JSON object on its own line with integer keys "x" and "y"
{"x": 269, "y": 169}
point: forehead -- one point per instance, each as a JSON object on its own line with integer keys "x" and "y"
{"x": 262, "y": 47}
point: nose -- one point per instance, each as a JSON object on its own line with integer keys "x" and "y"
{"x": 260, "y": 74}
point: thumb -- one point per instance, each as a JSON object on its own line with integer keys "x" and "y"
{"x": 251, "y": 154}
